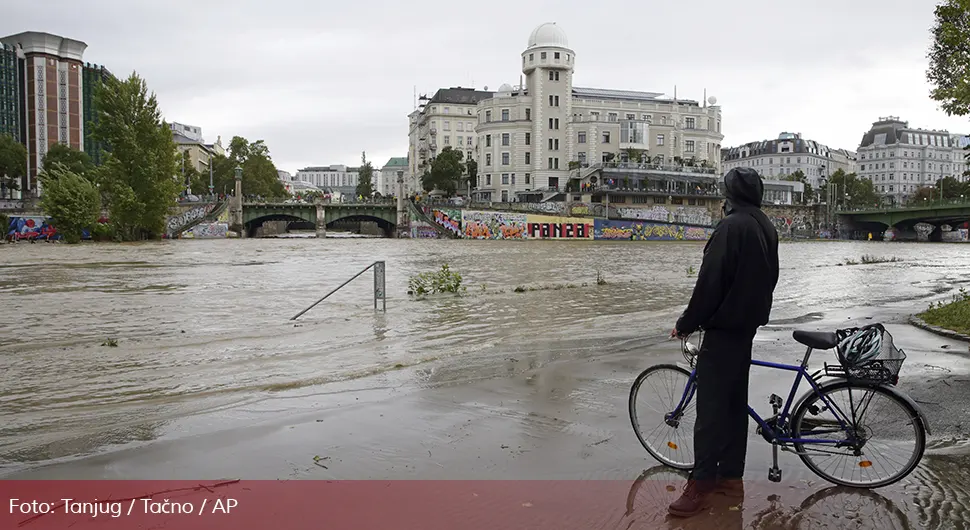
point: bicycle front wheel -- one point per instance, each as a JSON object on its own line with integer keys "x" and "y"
{"x": 664, "y": 430}
{"x": 868, "y": 437}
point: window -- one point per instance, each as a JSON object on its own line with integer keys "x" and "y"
{"x": 581, "y": 137}
{"x": 553, "y": 101}
{"x": 505, "y": 159}
{"x": 505, "y": 139}
{"x": 513, "y": 179}
{"x": 488, "y": 116}
{"x": 553, "y": 123}
{"x": 550, "y": 123}
{"x": 613, "y": 116}
{"x": 447, "y": 140}
{"x": 505, "y": 179}
{"x": 555, "y": 55}
{"x": 553, "y": 163}
{"x": 505, "y": 195}
{"x": 505, "y": 114}
{"x": 606, "y": 137}
{"x": 542, "y": 55}
{"x": 528, "y": 138}
{"x": 488, "y": 140}
{"x": 582, "y": 157}
{"x": 459, "y": 126}
{"x": 688, "y": 123}
{"x": 447, "y": 110}
{"x": 528, "y": 114}
{"x": 528, "y": 159}
{"x": 447, "y": 125}
{"x": 631, "y": 116}
{"x": 461, "y": 140}
{"x": 556, "y": 148}
{"x": 528, "y": 177}
{"x": 660, "y": 140}
{"x": 689, "y": 146}
{"x": 488, "y": 159}
{"x": 594, "y": 116}
{"x": 532, "y": 57}
{"x": 550, "y": 144}
{"x": 469, "y": 140}
{"x": 488, "y": 179}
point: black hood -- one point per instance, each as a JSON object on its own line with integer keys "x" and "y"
{"x": 743, "y": 188}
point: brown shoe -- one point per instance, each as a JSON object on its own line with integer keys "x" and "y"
{"x": 694, "y": 500}
{"x": 730, "y": 487}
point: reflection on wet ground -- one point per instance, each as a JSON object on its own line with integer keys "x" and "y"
{"x": 205, "y": 355}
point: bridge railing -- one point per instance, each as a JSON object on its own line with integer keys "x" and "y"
{"x": 379, "y": 290}
{"x": 911, "y": 206}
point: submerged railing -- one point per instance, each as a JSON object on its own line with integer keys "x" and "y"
{"x": 379, "y": 290}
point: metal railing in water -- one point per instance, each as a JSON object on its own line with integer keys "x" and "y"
{"x": 379, "y": 290}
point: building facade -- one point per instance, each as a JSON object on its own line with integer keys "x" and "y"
{"x": 52, "y": 96}
{"x": 193, "y": 147}
{"x": 787, "y": 154}
{"x": 899, "y": 159}
{"x": 92, "y": 77}
{"x": 11, "y": 93}
{"x": 447, "y": 119}
{"x": 335, "y": 178}
{"x": 386, "y": 179}
{"x": 530, "y": 137}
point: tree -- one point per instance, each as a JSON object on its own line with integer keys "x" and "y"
{"x": 949, "y": 57}
{"x": 635, "y": 155}
{"x": 187, "y": 172}
{"x": 445, "y": 173}
{"x": 139, "y": 174}
{"x": 799, "y": 176}
{"x": 13, "y": 165}
{"x": 77, "y": 162}
{"x": 853, "y": 192}
{"x": 365, "y": 178}
{"x": 259, "y": 173}
{"x": 71, "y": 200}
{"x": 471, "y": 172}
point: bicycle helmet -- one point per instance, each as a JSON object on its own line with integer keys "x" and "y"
{"x": 862, "y": 346}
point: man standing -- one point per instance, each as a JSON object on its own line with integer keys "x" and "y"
{"x": 731, "y": 299}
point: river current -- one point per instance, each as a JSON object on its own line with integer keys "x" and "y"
{"x": 204, "y": 325}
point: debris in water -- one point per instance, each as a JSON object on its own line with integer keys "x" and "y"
{"x": 110, "y": 342}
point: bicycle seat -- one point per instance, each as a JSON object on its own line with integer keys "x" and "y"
{"x": 819, "y": 340}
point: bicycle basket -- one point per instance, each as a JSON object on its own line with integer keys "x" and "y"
{"x": 884, "y": 367}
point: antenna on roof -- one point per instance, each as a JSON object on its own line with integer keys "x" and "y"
{"x": 705, "y": 98}
{"x": 415, "y": 96}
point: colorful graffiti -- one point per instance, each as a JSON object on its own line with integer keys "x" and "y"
{"x": 493, "y": 225}
{"x": 551, "y": 227}
{"x": 31, "y": 228}
{"x": 422, "y": 230}
{"x": 637, "y": 231}
{"x": 449, "y": 219}
{"x": 178, "y": 222}
{"x": 215, "y": 230}
{"x": 787, "y": 226}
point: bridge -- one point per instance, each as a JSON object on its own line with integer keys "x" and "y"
{"x": 935, "y": 213}
{"x": 319, "y": 216}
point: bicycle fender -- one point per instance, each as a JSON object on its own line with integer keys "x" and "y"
{"x": 890, "y": 389}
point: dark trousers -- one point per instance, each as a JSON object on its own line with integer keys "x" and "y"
{"x": 721, "y": 430}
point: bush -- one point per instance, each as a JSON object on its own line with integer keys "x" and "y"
{"x": 440, "y": 281}
{"x": 954, "y": 316}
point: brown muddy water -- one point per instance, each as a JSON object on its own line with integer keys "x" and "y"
{"x": 203, "y": 337}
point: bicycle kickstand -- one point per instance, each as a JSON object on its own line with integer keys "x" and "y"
{"x": 774, "y": 474}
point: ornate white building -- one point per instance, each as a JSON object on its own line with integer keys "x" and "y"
{"x": 526, "y": 137}
{"x": 778, "y": 158}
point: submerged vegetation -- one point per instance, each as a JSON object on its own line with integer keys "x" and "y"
{"x": 869, "y": 259}
{"x": 443, "y": 280}
{"x": 954, "y": 315}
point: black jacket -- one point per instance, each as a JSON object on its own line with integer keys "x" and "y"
{"x": 740, "y": 268}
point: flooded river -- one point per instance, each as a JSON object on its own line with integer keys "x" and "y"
{"x": 202, "y": 328}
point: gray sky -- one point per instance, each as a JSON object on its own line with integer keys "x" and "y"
{"x": 322, "y": 81}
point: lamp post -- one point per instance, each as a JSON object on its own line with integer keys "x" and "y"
{"x": 211, "y": 186}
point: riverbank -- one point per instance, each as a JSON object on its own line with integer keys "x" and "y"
{"x": 948, "y": 318}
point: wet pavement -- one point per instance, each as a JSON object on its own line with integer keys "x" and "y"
{"x": 493, "y": 385}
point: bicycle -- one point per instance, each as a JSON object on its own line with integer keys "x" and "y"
{"x": 802, "y": 427}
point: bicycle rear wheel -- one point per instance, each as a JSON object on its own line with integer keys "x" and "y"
{"x": 886, "y": 437}
{"x": 655, "y": 394}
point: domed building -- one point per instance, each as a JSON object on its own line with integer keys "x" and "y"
{"x": 535, "y": 140}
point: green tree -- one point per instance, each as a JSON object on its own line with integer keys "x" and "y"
{"x": 71, "y": 200}
{"x": 853, "y": 192}
{"x": 445, "y": 173}
{"x": 471, "y": 173}
{"x": 187, "y": 172}
{"x": 949, "y": 57}
{"x": 259, "y": 173}
{"x": 13, "y": 165}
{"x": 139, "y": 174}
{"x": 365, "y": 178}
{"x": 77, "y": 162}
{"x": 798, "y": 176}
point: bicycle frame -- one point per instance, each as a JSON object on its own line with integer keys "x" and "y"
{"x": 774, "y": 434}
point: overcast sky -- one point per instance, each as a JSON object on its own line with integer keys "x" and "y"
{"x": 322, "y": 81}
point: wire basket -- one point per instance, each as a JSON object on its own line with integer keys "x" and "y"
{"x": 884, "y": 368}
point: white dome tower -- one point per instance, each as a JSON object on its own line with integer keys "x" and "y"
{"x": 548, "y": 64}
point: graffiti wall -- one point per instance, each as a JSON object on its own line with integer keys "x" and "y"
{"x": 639, "y": 231}
{"x": 28, "y": 228}
{"x": 448, "y": 218}
{"x": 422, "y": 230}
{"x": 177, "y": 222}
{"x": 493, "y": 225}
{"x": 555, "y": 227}
{"x": 215, "y": 230}
{"x": 695, "y": 215}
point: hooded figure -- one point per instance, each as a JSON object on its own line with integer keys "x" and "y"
{"x": 731, "y": 300}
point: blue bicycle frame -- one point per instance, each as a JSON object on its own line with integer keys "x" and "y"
{"x": 773, "y": 434}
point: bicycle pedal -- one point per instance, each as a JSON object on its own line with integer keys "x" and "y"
{"x": 775, "y": 401}
{"x": 774, "y": 474}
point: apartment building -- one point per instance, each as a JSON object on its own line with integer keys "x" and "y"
{"x": 789, "y": 153}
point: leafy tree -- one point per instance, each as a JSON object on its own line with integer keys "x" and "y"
{"x": 139, "y": 174}
{"x": 445, "y": 173}
{"x": 365, "y": 178}
{"x": 471, "y": 171}
{"x": 70, "y": 199}
{"x": 259, "y": 173}
{"x": 634, "y": 155}
{"x": 923, "y": 194}
{"x": 949, "y": 57}
{"x": 13, "y": 165}
{"x": 854, "y": 192}
{"x": 77, "y": 162}
{"x": 799, "y": 176}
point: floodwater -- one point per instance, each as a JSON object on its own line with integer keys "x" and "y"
{"x": 202, "y": 327}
